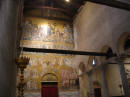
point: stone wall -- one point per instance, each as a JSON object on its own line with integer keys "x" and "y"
{"x": 8, "y": 13}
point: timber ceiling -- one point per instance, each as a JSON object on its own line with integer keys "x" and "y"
{"x": 125, "y": 1}
{"x": 70, "y": 8}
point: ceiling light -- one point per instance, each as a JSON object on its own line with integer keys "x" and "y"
{"x": 67, "y": 0}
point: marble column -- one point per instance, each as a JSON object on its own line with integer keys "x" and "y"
{"x": 91, "y": 88}
{"x": 104, "y": 81}
{"x": 123, "y": 77}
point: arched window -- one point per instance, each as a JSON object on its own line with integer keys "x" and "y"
{"x": 124, "y": 43}
{"x": 94, "y": 62}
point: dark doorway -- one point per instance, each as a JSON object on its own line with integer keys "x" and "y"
{"x": 49, "y": 89}
{"x": 97, "y": 92}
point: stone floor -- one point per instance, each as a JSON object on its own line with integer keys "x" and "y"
{"x": 69, "y": 94}
{"x": 61, "y": 94}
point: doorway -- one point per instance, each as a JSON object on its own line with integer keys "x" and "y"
{"x": 97, "y": 92}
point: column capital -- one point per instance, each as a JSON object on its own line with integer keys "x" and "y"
{"x": 120, "y": 59}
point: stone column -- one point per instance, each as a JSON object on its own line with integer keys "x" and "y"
{"x": 91, "y": 88}
{"x": 123, "y": 77}
{"x": 104, "y": 82}
{"x": 8, "y": 36}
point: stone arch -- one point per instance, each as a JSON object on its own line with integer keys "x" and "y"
{"x": 127, "y": 44}
{"x": 49, "y": 77}
{"x": 121, "y": 42}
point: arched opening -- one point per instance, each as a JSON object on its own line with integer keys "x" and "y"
{"x": 124, "y": 43}
{"x": 49, "y": 84}
{"x": 127, "y": 44}
{"x": 125, "y": 49}
{"x": 49, "y": 77}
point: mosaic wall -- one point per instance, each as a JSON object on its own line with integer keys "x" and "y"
{"x": 41, "y": 33}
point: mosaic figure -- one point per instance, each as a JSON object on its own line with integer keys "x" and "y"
{"x": 27, "y": 30}
{"x": 31, "y": 85}
{"x": 35, "y": 74}
{"x": 26, "y": 73}
{"x": 50, "y": 30}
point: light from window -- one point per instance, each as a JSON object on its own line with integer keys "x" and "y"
{"x": 94, "y": 62}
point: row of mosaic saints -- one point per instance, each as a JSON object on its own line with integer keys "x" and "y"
{"x": 48, "y": 33}
{"x": 40, "y": 63}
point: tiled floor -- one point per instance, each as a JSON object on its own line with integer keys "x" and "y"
{"x": 61, "y": 94}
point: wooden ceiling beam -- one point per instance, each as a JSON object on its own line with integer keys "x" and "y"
{"x": 72, "y": 3}
{"x": 65, "y": 4}
{"x": 35, "y": 1}
{"x": 64, "y": 11}
{"x": 44, "y": 7}
{"x": 70, "y": 9}
{"x": 112, "y": 3}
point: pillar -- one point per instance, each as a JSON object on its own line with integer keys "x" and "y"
{"x": 123, "y": 77}
{"x": 8, "y": 36}
{"x": 91, "y": 88}
{"x": 104, "y": 82}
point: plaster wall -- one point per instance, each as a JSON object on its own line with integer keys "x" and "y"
{"x": 96, "y": 26}
{"x": 8, "y": 13}
{"x": 99, "y": 25}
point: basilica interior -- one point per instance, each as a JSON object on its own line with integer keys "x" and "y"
{"x": 64, "y": 48}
